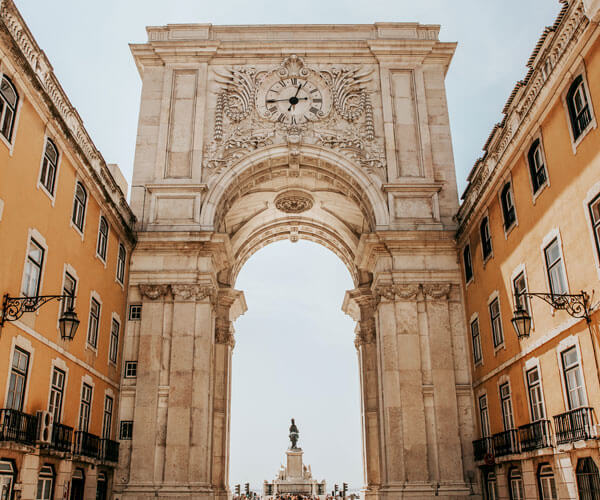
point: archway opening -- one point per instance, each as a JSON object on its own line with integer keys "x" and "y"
{"x": 295, "y": 358}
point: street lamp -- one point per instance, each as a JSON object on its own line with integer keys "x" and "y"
{"x": 576, "y": 305}
{"x": 14, "y": 307}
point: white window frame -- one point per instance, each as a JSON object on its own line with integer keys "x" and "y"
{"x": 59, "y": 364}
{"x": 539, "y": 481}
{"x": 81, "y": 231}
{"x": 67, "y": 269}
{"x": 13, "y": 139}
{"x": 531, "y": 364}
{"x": 516, "y": 484}
{"x": 114, "y": 319}
{"x": 108, "y": 395}
{"x": 475, "y": 319}
{"x": 579, "y": 71}
{"x": 570, "y": 342}
{"x": 24, "y": 344}
{"x": 485, "y": 258}
{"x": 548, "y": 238}
{"x": 98, "y": 254}
{"x": 537, "y": 137}
{"x": 486, "y": 430}
{"x": 592, "y": 194}
{"x": 504, "y": 382}
{"x": 515, "y": 223}
{"x": 493, "y": 297}
{"x": 121, "y": 282}
{"x": 93, "y": 296}
{"x": 34, "y": 234}
{"x": 86, "y": 380}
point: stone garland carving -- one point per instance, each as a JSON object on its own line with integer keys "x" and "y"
{"x": 192, "y": 292}
{"x": 411, "y": 291}
{"x": 348, "y": 129}
{"x": 154, "y": 292}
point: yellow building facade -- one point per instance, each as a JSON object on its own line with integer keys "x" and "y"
{"x": 65, "y": 228}
{"x": 530, "y": 223}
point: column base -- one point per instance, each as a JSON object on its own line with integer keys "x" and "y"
{"x": 170, "y": 491}
{"x": 422, "y": 491}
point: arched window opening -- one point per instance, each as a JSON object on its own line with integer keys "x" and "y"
{"x": 491, "y": 486}
{"x": 49, "y": 165}
{"x": 486, "y": 238}
{"x": 515, "y": 483}
{"x": 8, "y": 107}
{"x": 79, "y": 202}
{"x": 588, "y": 479}
{"x": 578, "y": 105}
{"x": 546, "y": 483}
{"x": 508, "y": 206}
{"x": 102, "y": 238}
{"x": 7, "y": 478}
{"x": 45, "y": 483}
{"x": 537, "y": 166}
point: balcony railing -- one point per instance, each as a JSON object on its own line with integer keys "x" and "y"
{"x": 17, "y": 426}
{"x": 573, "y": 425}
{"x": 86, "y": 444}
{"x": 483, "y": 447}
{"x": 110, "y": 450}
{"x": 506, "y": 443}
{"x": 535, "y": 436}
{"x": 62, "y": 437}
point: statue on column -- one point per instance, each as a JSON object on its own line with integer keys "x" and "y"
{"x": 294, "y": 435}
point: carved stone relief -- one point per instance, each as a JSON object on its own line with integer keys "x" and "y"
{"x": 244, "y": 124}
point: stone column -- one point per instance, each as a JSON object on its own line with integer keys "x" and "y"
{"x": 147, "y": 434}
{"x": 224, "y": 342}
{"x": 360, "y": 305}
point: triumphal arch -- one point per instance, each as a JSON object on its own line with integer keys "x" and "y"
{"x": 335, "y": 134}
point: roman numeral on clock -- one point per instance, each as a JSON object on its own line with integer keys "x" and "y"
{"x": 313, "y": 110}
{"x": 281, "y": 118}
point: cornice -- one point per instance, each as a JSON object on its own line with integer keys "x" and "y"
{"x": 46, "y": 80}
{"x": 525, "y": 102}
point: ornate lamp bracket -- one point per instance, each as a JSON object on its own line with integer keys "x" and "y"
{"x": 576, "y": 305}
{"x": 14, "y": 307}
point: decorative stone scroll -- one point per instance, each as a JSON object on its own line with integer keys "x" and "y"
{"x": 294, "y": 202}
{"x": 154, "y": 292}
{"x": 411, "y": 291}
{"x": 437, "y": 291}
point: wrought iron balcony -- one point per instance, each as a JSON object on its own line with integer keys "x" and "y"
{"x": 110, "y": 450}
{"x": 62, "y": 437}
{"x": 535, "y": 436}
{"x": 573, "y": 425}
{"x": 483, "y": 447}
{"x": 17, "y": 426}
{"x": 506, "y": 443}
{"x": 86, "y": 444}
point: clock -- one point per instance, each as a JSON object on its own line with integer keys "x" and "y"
{"x": 294, "y": 100}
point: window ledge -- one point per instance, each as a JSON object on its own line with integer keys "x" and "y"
{"x": 8, "y": 144}
{"x": 499, "y": 348}
{"x": 99, "y": 257}
{"x": 539, "y": 192}
{"x": 90, "y": 347}
{"x": 42, "y": 188}
{"x": 77, "y": 230}
{"x": 592, "y": 125}
{"x": 509, "y": 229}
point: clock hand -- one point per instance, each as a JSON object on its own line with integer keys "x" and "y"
{"x": 277, "y": 100}
{"x": 299, "y": 87}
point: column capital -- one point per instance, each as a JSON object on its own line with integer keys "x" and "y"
{"x": 437, "y": 291}
{"x": 397, "y": 291}
{"x": 153, "y": 292}
{"x": 192, "y": 293}
{"x": 366, "y": 332}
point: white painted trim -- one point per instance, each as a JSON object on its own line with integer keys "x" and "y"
{"x": 61, "y": 365}
{"x": 121, "y": 283}
{"x": 114, "y": 317}
{"x": 529, "y": 365}
{"x": 11, "y": 144}
{"x": 86, "y": 379}
{"x": 33, "y": 233}
{"x": 580, "y": 69}
{"x": 40, "y": 186}
{"x": 485, "y": 215}
{"x": 507, "y": 179}
{"x": 1, "y": 208}
{"x": 93, "y": 295}
{"x": 554, "y": 233}
{"x": 564, "y": 345}
{"x": 590, "y": 195}
{"x": 67, "y": 268}
{"x": 26, "y": 345}
{"x": 521, "y": 268}
{"x": 44, "y": 340}
{"x": 81, "y": 232}
{"x": 98, "y": 256}
{"x": 539, "y": 137}
{"x": 475, "y": 317}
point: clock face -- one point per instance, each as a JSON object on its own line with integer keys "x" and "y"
{"x": 292, "y": 101}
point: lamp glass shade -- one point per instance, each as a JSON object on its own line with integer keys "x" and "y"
{"x": 68, "y": 324}
{"x": 521, "y": 323}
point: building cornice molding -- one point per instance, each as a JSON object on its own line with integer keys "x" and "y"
{"x": 48, "y": 83}
{"x": 525, "y": 102}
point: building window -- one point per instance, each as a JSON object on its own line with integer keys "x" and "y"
{"x": 113, "y": 350}
{"x": 579, "y": 109}
{"x": 537, "y": 167}
{"x": 135, "y": 312}
{"x": 69, "y": 288}
{"x": 508, "y": 206}
{"x": 573, "y": 378}
{"x": 515, "y": 482}
{"x": 520, "y": 287}
{"x": 107, "y": 417}
{"x": 7, "y": 476}
{"x": 595, "y": 217}
{"x": 476, "y": 339}
{"x": 18, "y": 379}
{"x": 546, "y": 483}
{"x": 49, "y": 167}
{"x": 130, "y": 369}
{"x": 84, "y": 407}
{"x": 102, "y": 238}
{"x": 588, "y": 479}
{"x": 507, "y": 410}
{"x": 8, "y": 107}
{"x": 491, "y": 486}
{"x": 121, "y": 258}
{"x": 486, "y": 238}
{"x": 536, "y": 399}
{"x": 94, "y": 323}
{"x": 467, "y": 263}
{"x": 126, "y": 429}
{"x": 497, "y": 333}
{"x": 79, "y": 202}
{"x": 555, "y": 268}
{"x": 484, "y": 417}
{"x": 57, "y": 388}
{"x": 45, "y": 483}
{"x": 33, "y": 269}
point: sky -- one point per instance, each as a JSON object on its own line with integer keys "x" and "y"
{"x": 294, "y": 355}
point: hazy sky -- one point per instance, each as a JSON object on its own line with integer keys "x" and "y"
{"x": 294, "y": 353}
